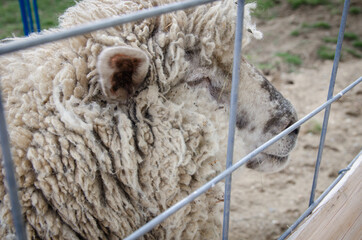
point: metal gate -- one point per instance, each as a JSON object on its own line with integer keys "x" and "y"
{"x": 41, "y": 39}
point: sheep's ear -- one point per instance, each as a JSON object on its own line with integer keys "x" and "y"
{"x": 122, "y": 70}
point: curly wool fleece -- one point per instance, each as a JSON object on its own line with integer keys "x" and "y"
{"x": 90, "y": 168}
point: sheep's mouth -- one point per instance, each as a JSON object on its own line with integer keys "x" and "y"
{"x": 265, "y": 162}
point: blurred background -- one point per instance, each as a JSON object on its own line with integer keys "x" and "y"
{"x": 10, "y": 16}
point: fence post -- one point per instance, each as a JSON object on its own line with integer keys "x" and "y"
{"x": 24, "y": 17}
{"x": 27, "y": 17}
{"x": 36, "y": 15}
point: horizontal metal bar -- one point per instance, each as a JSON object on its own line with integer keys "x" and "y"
{"x": 160, "y": 218}
{"x": 97, "y": 25}
{"x": 319, "y": 200}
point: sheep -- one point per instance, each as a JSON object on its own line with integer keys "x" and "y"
{"x": 111, "y": 128}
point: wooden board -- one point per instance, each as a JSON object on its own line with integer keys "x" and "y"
{"x": 339, "y": 215}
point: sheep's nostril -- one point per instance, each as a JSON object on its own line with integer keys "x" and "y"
{"x": 296, "y": 131}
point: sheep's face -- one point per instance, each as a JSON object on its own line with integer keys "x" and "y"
{"x": 262, "y": 111}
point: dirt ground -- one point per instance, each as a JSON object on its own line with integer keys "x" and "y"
{"x": 264, "y": 205}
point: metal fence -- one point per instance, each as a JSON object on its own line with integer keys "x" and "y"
{"x": 41, "y": 39}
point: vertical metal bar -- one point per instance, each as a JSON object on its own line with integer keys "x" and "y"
{"x": 233, "y": 106}
{"x": 36, "y": 14}
{"x": 24, "y": 17}
{"x": 330, "y": 94}
{"x": 30, "y": 16}
{"x": 10, "y": 176}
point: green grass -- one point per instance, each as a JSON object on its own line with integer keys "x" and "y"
{"x": 295, "y": 33}
{"x": 350, "y": 36}
{"x": 262, "y": 8}
{"x": 354, "y": 53}
{"x": 266, "y": 66}
{"x": 355, "y": 10}
{"x": 264, "y": 4}
{"x": 330, "y": 39}
{"x": 315, "y": 127}
{"x": 347, "y": 36}
{"x": 319, "y": 25}
{"x": 357, "y": 44}
{"x": 290, "y": 58}
{"x": 297, "y": 3}
{"x": 325, "y": 52}
{"x": 10, "y": 17}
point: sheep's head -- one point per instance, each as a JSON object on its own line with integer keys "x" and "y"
{"x": 262, "y": 112}
{"x": 111, "y": 128}
{"x": 197, "y": 56}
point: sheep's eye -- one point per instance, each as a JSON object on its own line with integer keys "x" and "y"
{"x": 203, "y": 80}
{"x": 215, "y": 92}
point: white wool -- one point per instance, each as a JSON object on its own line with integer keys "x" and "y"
{"x": 68, "y": 117}
{"x": 249, "y": 25}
